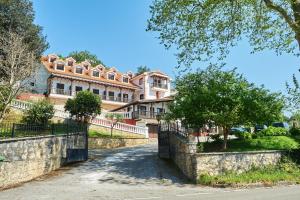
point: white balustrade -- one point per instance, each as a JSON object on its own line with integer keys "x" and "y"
{"x": 121, "y": 126}
{"x": 99, "y": 121}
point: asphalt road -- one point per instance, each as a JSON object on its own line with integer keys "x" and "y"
{"x": 132, "y": 174}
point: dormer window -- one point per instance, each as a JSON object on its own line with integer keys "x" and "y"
{"x": 125, "y": 79}
{"x": 96, "y": 73}
{"x": 52, "y": 59}
{"x": 78, "y": 70}
{"x": 60, "y": 66}
{"x": 111, "y": 76}
{"x": 70, "y": 63}
{"x": 86, "y": 67}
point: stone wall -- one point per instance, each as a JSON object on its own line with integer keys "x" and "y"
{"x": 28, "y": 158}
{"x": 217, "y": 163}
{"x": 182, "y": 152}
{"x": 108, "y": 143}
{"x": 192, "y": 164}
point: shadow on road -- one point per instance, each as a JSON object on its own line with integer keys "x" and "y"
{"x": 131, "y": 166}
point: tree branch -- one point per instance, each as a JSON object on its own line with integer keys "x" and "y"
{"x": 281, "y": 11}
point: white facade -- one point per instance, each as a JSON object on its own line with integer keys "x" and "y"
{"x": 153, "y": 86}
{"x": 59, "y": 79}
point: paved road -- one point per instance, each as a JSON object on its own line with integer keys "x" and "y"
{"x": 132, "y": 174}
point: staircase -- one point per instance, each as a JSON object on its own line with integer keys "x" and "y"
{"x": 98, "y": 121}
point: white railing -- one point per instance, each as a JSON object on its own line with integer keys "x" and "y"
{"x": 23, "y": 105}
{"x": 125, "y": 115}
{"x": 121, "y": 126}
{"x": 98, "y": 121}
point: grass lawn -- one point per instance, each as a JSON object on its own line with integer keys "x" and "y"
{"x": 285, "y": 171}
{"x": 265, "y": 143}
{"x": 116, "y": 134}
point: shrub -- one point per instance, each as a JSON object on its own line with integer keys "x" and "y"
{"x": 84, "y": 106}
{"x": 200, "y": 147}
{"x": 39, "y": 113}
{"x": 243, "y": 135}
{"x": 273, "y": 131}
{"x": 295, "y": 131}
{"x": 215, "y": 137}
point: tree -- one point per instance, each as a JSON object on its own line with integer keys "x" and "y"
{"x": 39, "y": 113}
{"x": 223, "y": 97}
{"x": 17, "y": 16}
{"x": 115, "y": 118}
{"x": 81, "y": 56}
{"x": 16, "y": 68}
{"x": 84, "y": 106}
{"x": 201, "y": 29}
{"x": 142, "y": 69}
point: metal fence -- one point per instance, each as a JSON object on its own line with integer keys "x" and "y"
{"x": 174, "y": 128}
{"x": 12, "y": 130}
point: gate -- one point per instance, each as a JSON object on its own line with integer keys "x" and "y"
{"x": 164, "y": 141}
{"x": 77, "y": 144}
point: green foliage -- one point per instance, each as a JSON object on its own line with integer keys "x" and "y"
{"x": 215, "y": 137}
{"x": 84, "y": 106}
{"x": 40, "y": 113}
{"x": 224, "y": 97}
{"x": 295, "y": 131}
{"x": 2, "y": 158}
{"x": 18, "y": 16}
{"x": 81, "y": 56}
{"x": 243, "y": 135}
{"x": 272, "y": 131}
{"x": 286, "y": 170}
{"x": 142, "y": 69}
{"x": 204, "y": 29}
{"x": 115, "y": 117}
{"x": 200, "y": 147}
{"x": 255, "y": 144}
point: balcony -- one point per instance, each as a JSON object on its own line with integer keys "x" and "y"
{"x": 115, "y": 99}
{"x": 160, "y": 85}
{"x": 142, "y": 114}
{"x": 61, "y": 91}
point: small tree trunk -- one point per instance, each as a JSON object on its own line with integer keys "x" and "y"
{"x": 198, "y": 133}
{"x": 3, "y": 112}
{"x": 111, "y": 131}
{"x": 225, "y": 134}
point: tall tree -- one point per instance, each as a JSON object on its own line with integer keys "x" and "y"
{"x": 224, "y": 97}
{"x": 141, "y": 69}
{"x": 17, "y": 16}
{"x": 202, "y": 29}
{"x": 16, "y": 68}
{"x": 81, "y": 56}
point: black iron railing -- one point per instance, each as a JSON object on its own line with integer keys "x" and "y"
{"x": 174, "y": 128}
{"x": 12, "y": 130}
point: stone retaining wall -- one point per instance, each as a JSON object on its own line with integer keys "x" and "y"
{"x": 217, "y": 163}
{"x": 28, "y": 158}
{"x": 108, "y": 143}
{"x": 192, "y": 164}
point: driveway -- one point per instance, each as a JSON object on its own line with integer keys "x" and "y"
{"x": 132, "y": 174}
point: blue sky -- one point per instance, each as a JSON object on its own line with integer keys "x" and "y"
{"x": 114, "y": 30}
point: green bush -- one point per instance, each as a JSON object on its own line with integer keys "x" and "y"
{"x": 215, "y": 137}
{"x": 200, "y": 147}
{"x": 295, "y": 131}
{"x": 39, "y": 113}
{"x": 243, "y": 135}
{"x": 273, "y": 131}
